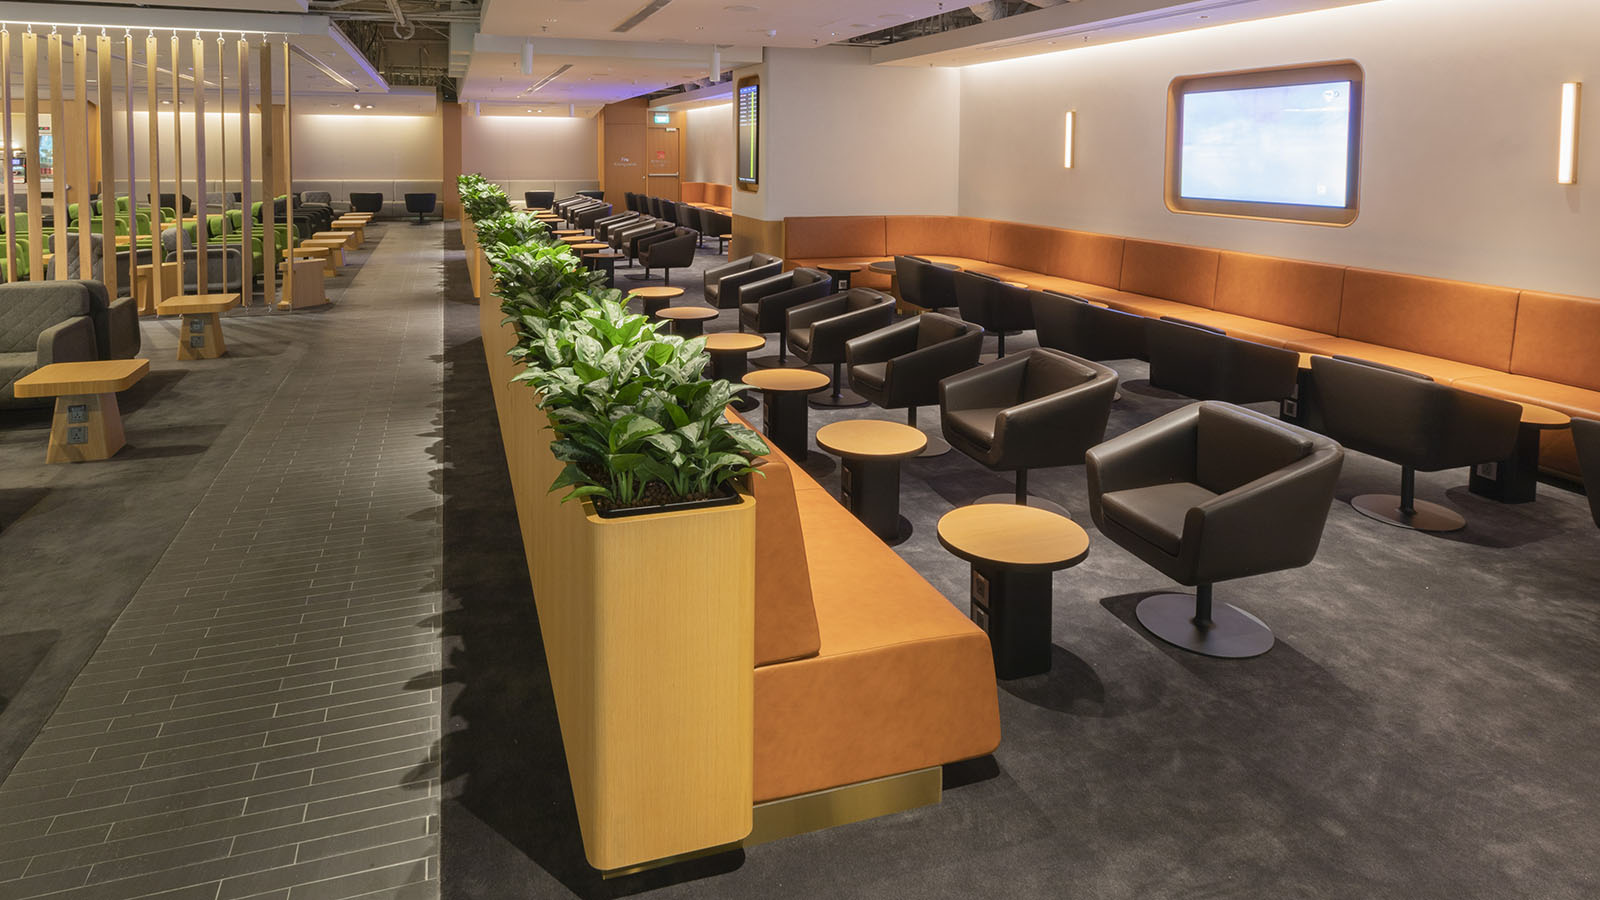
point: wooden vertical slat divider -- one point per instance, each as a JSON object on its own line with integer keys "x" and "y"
{"x": 133, "y": 195}
{"x": 58, "y": 181}
{"x": 108, "y": 172}
{"x": 152, "y": 66}
{"x": 5, "y": 136}
{"x": 177, "y": 156}
{"x": 247, "y": 221}
{"x": 30, "y": 135}
{"x": 222, "y": 127}
{"x": 202, "y": 266}
{"x": 82, "y": 160}
{"x": 269, "y": 205}
{"x": 288, "y": 168}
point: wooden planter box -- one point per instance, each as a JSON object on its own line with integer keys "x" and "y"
{"x": 648, "y": 625}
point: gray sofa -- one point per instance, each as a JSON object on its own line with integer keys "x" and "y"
{"x": 43, "y": 322}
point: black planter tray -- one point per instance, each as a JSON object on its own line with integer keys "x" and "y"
{"x": 731, "y": 498}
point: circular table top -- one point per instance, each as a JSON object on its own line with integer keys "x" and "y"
{"x": 734, "y": 342}
{"x": 840, "y": 267}
{"x": 656, "y": 293}
{"x": 579, "y": 239}
{"x": 1540, "y": 417}
{"x": 591, "y": 246}
{"x": 1019, "y": 537}
{"x": 806, "y": 380}
{"x": 563, "y": 232}
{"x": 858, "y": 438}
{"x": 603, "y": 254}
{"x": 687, "y": 312}
{"x": 885, "y": 266}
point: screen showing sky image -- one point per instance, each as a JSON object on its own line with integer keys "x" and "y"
{"x": 1279, "y": 144}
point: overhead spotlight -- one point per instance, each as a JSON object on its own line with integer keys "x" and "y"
{"x": 358, "y": 106}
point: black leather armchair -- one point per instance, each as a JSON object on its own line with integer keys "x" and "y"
{"x": 1209, "y": 493}
{"x": 604, "y": 226}
{"x": 627, "y": 239}
{"x": 1586, "y": 434}
{"x": 366, "y": 203}
{"x": 653, "y": 205}
{"x": 538, "y": 199}
{"x": 991, "y": 302}
{"x": 716, "y": 224}
{"x": 1408, "y": 418}
{"x": 817, "y": 332}
{"x": 421, "y": 204}
{"x": 589, "y": 215}
{"x": 630, "y": 200}
{"x": 1201, "y": 362}
{"x": 764, "y": 305}
{"x": 722, "y": 282}
{"x": 689, "y": 217}
{"x": 1076, "y": 326}
{"x": 667, "y": 250}
{"x": 1032, "y": 410}
{"x": 669, "y": 211}
{"x": 901, "y": 366}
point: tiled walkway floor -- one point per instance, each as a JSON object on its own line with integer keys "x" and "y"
{"x": 262, "y": 721}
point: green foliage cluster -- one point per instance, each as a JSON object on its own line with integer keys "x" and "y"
{"x": 635, "y": 420}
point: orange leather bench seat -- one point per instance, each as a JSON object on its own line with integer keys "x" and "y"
{"x": 891, "y": 678}
{"x": 1527, "y": 346}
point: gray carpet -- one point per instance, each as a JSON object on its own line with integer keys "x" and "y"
{"x": 76, "y": 541}
{"x": 1423, "y": 728}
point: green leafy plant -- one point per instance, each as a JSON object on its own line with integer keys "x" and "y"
{"x": 635, "y": 420}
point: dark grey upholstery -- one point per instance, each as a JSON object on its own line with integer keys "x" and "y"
{"x": 988, "y": 301}
{"x": 603, "y": 226}
{"x": 593, "y": 194}
{"x": 631, "y": 200}
{"x": 42, "y": 322}
{"x": 668, "y": 250}
{"x": 1409, "y": 419}
{"x": 669, "y": 211}
{"x": 586, "y": 217}
{"x": 1209, "y": 493}
{"x": 722, "y": 282}
{"x": 629, "y": 238}
{"x": 1031, "y": 410}
{"x": 1586, "y": 434}
{"x": 1201, "y": 362}
{"x": 689, "y": 217}
{"x": 538, "y": 199}
{"x": 421, "y": 204}
{"x": 1076, "y": 326}
{"x": 323, "y": 197}
{"x": 366, "y": 203}
{"x": 817, "y": 331}
{"x": 224, "y": 263}
{"x": 716, "y": 224}
{"x": 900, "y": 367}
{"x": 764, "y": 305}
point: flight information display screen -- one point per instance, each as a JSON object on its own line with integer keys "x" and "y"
{"x": 749, "y": 119}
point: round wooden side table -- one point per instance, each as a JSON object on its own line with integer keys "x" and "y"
{"x": 783, "y": 394}
{"x": 1013, "y": 551}
{"x": 1516, "y": 480}
{"x": 604, "y": 261}
{"x": 655, "y": 299}
{"x": 869, "y": 486}
{"x": 730, "y": 360}
{"x": 687, "y": 321}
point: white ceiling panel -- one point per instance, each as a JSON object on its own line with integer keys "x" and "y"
{"x": 769, "y": 23}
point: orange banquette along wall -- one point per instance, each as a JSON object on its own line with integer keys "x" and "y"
{"x": 1523, "y": 345}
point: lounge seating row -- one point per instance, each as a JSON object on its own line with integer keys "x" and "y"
{"x": 1522, "y": 345}
{"x": 701, "y": 219}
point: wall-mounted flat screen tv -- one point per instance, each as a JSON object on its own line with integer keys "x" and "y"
{"x": 749, "y": 113}
{"x": 1277, "y": 144}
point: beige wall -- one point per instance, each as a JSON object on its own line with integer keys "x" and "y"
{"x": 517, "y": 148}
{"x": 1458, "y": 176}
{"x": 708, "y": 145}
{"x": 356, "y": 147}
{"x": 842, "y": 137}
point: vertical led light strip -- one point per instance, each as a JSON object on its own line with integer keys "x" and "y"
{"x": 152, "y": 65}
{"x": 177, "y": 159}
{"x": 202, "y": 266}
{"x": 246, "y": 220}
{"x": 1567, "y": 158}
{"x": 82, "y": 160}
{"x": 5, "y": 136}
{"x": 30, "y": 134}
{"x": 269, "y": 202}
{"x": 58, "y": 181}
{"x": 108, "y": 171}
{"x": 1072, "y": 122}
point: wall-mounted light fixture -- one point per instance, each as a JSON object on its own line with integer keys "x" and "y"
{"x": 1072, "y": 121}
{"x": 1567, "y": 157}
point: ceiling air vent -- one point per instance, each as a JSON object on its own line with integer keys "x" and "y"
{"x": 650, "y": 9}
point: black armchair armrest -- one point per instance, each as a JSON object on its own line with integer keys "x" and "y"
{"x": 829, "y": 335}
{"x": 806, "y": 314}
{"x": 883, "y": 344}
{"x": 1161, "y": 452}
{"x": 985, "y": 387}
{"x": 913, "y": 378}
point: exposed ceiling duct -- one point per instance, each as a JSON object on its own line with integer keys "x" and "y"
{"x": 988, "y": 11}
